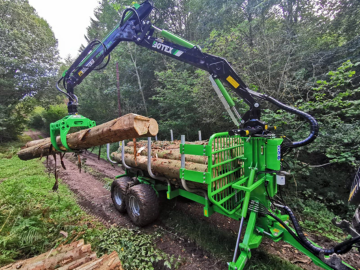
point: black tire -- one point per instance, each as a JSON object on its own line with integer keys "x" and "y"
{"x": 356, "y": 220}
{"x": 118, "y": 193}
{"x": 142, "y": 204}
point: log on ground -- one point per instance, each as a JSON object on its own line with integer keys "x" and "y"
{"x": 126, "y": 127}
{"x": 76, "y": 255}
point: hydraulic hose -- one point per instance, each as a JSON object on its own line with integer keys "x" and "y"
{"x": 58, "y": 88}
{"x": 314, "y": 126}
{"x": 341, "y": 248}
{"x": 303, "y": 238}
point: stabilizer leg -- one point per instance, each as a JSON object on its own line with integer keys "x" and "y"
{"x": 251, "y": 240}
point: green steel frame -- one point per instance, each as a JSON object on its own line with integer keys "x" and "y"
{"x": 239, "y": 171}
{"x": 63, "y": 126}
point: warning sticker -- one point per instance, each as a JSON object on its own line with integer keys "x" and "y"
{"x": 232, "y": 81}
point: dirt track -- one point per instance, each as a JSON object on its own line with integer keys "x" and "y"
{"x": 92, "y": 195}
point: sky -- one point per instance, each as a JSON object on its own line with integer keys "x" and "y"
{"x": 68, "y": 19}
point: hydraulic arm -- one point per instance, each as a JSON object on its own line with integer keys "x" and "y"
{"x": 135, "y": 27}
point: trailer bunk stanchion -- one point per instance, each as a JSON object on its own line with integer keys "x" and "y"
{"x": 108, "y": 154}
{"x": 151, "y": 174}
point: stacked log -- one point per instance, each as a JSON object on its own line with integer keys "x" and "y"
{"x": 165, "y": 161}
{"x": 76, "y": 255}
{"x": 126, "y": 127}
{"x": 168, "y": 154}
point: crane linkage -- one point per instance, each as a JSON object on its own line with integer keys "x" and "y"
{"x": 259, "y": 157}
{"x": 135, "y": 27}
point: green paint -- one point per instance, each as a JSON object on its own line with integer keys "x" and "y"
{"x": 177, "y": 39}
{"x": 233, "y": 180}
{"x": 225, "y": 93}
{"x": 121, "y": 175}
{"x": 63, "y": 126}
{"x": 248, "y": 193}
{"x": 193, "y": 149}
{"x": 195, "y": 176}
{"x": 273, "y": 147}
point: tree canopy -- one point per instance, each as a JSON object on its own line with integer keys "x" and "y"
{"x": 28, "y": 61}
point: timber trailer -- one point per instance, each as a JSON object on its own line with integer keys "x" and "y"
{"x": 244, "y": 164}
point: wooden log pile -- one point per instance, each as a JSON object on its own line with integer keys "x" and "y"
{"x": 126, "y": 127}
{"x": 165, "y": 161}
{"x": 76, "y": 255}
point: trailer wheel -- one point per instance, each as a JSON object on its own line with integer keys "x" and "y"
{"x": 142, "y": 204}
{"x": 356, "y": 220}
{"x": 118, "y": 193}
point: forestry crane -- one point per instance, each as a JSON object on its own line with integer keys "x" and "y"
{"x": 245, "y": 163}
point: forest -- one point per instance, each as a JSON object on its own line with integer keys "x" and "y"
{"x": 305, "y": 53}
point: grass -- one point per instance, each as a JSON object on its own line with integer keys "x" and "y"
{"x": 31, "y": 214}
{"x": 315, "y": 217}
{"x": 218, "y": 242}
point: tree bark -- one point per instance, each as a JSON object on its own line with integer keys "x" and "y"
{"x": 163, "y": 167}
{"x": 169, "y": 154}
{"x": 166, "y": 145}
{"x": 123, "y": 128}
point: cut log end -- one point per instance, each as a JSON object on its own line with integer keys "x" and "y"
{"x": 153, "y": 127}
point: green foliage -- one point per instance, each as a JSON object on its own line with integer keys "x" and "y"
{"x": 136, "y": 250}
{"x": 175, "y": 98}
{"x": 31, "y": 215}
{"x": 280, "y": 48}
{"x": 41, "y": 118}
{"x": 314, "y": 216}
{"x": 36, "y": 120}
{"x": 327, "y": 166}
{"x": 28, "y": 55}
{"x": 53, "y": 114}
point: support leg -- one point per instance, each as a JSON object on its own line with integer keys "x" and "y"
{"x": 251, "y": 240}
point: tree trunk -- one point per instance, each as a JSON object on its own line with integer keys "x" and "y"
{"x": 123, "y": 128}
{"x": 164, "y": 167}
